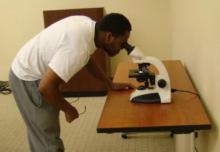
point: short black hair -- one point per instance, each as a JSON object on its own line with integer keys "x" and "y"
{"x": 115, "y": 23}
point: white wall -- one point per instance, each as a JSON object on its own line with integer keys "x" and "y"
{"x": 196, "y": 41}
{"x": 22, "y": 19}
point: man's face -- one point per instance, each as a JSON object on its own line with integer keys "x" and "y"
{"x": 117, "y": 43}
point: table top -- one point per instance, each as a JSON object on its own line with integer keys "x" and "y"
{"x": 184, "y": 114}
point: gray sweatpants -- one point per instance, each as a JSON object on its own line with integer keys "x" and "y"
{"x": 41, "y": 119}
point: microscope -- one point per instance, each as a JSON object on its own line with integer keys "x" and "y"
{"x": 154, "y": 88}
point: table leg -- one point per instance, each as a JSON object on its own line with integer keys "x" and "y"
{"x": 184, "y": 142}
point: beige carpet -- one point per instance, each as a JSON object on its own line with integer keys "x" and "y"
{"x": 79, "y": 136}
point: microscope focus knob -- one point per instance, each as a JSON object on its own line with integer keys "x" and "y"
{"x": 162, "y": 83}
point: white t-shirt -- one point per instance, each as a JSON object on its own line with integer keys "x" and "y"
{"x": 65, "y": 47}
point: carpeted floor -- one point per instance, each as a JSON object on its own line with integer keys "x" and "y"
{"x": 81, "y": 135}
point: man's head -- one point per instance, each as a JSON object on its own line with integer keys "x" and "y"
{"x": 112, "y": 32}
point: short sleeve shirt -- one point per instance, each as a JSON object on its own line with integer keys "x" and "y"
{"x": 65, "y": 47}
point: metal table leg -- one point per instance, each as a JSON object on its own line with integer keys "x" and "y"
{"x": 184, "y": 142}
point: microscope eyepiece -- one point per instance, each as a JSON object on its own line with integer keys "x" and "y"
{"x": 128, "y": 48}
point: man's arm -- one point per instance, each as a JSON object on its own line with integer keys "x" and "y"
{"x": 98, "y": 73}
{"x": 49, "y": 89}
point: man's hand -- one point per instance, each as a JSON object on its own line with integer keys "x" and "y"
{"x": 98, "y": 73}
{"x": 121, "y": 86}
{"x": 71, "y": 114}
{"x": 49, "y": 89}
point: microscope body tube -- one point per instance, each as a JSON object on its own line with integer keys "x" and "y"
{"x": 134, "y": 52}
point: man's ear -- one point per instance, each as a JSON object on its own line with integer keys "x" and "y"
{"x": 109, "y": 37}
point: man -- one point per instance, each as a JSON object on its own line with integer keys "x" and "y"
{"x": 55, "y": 55}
